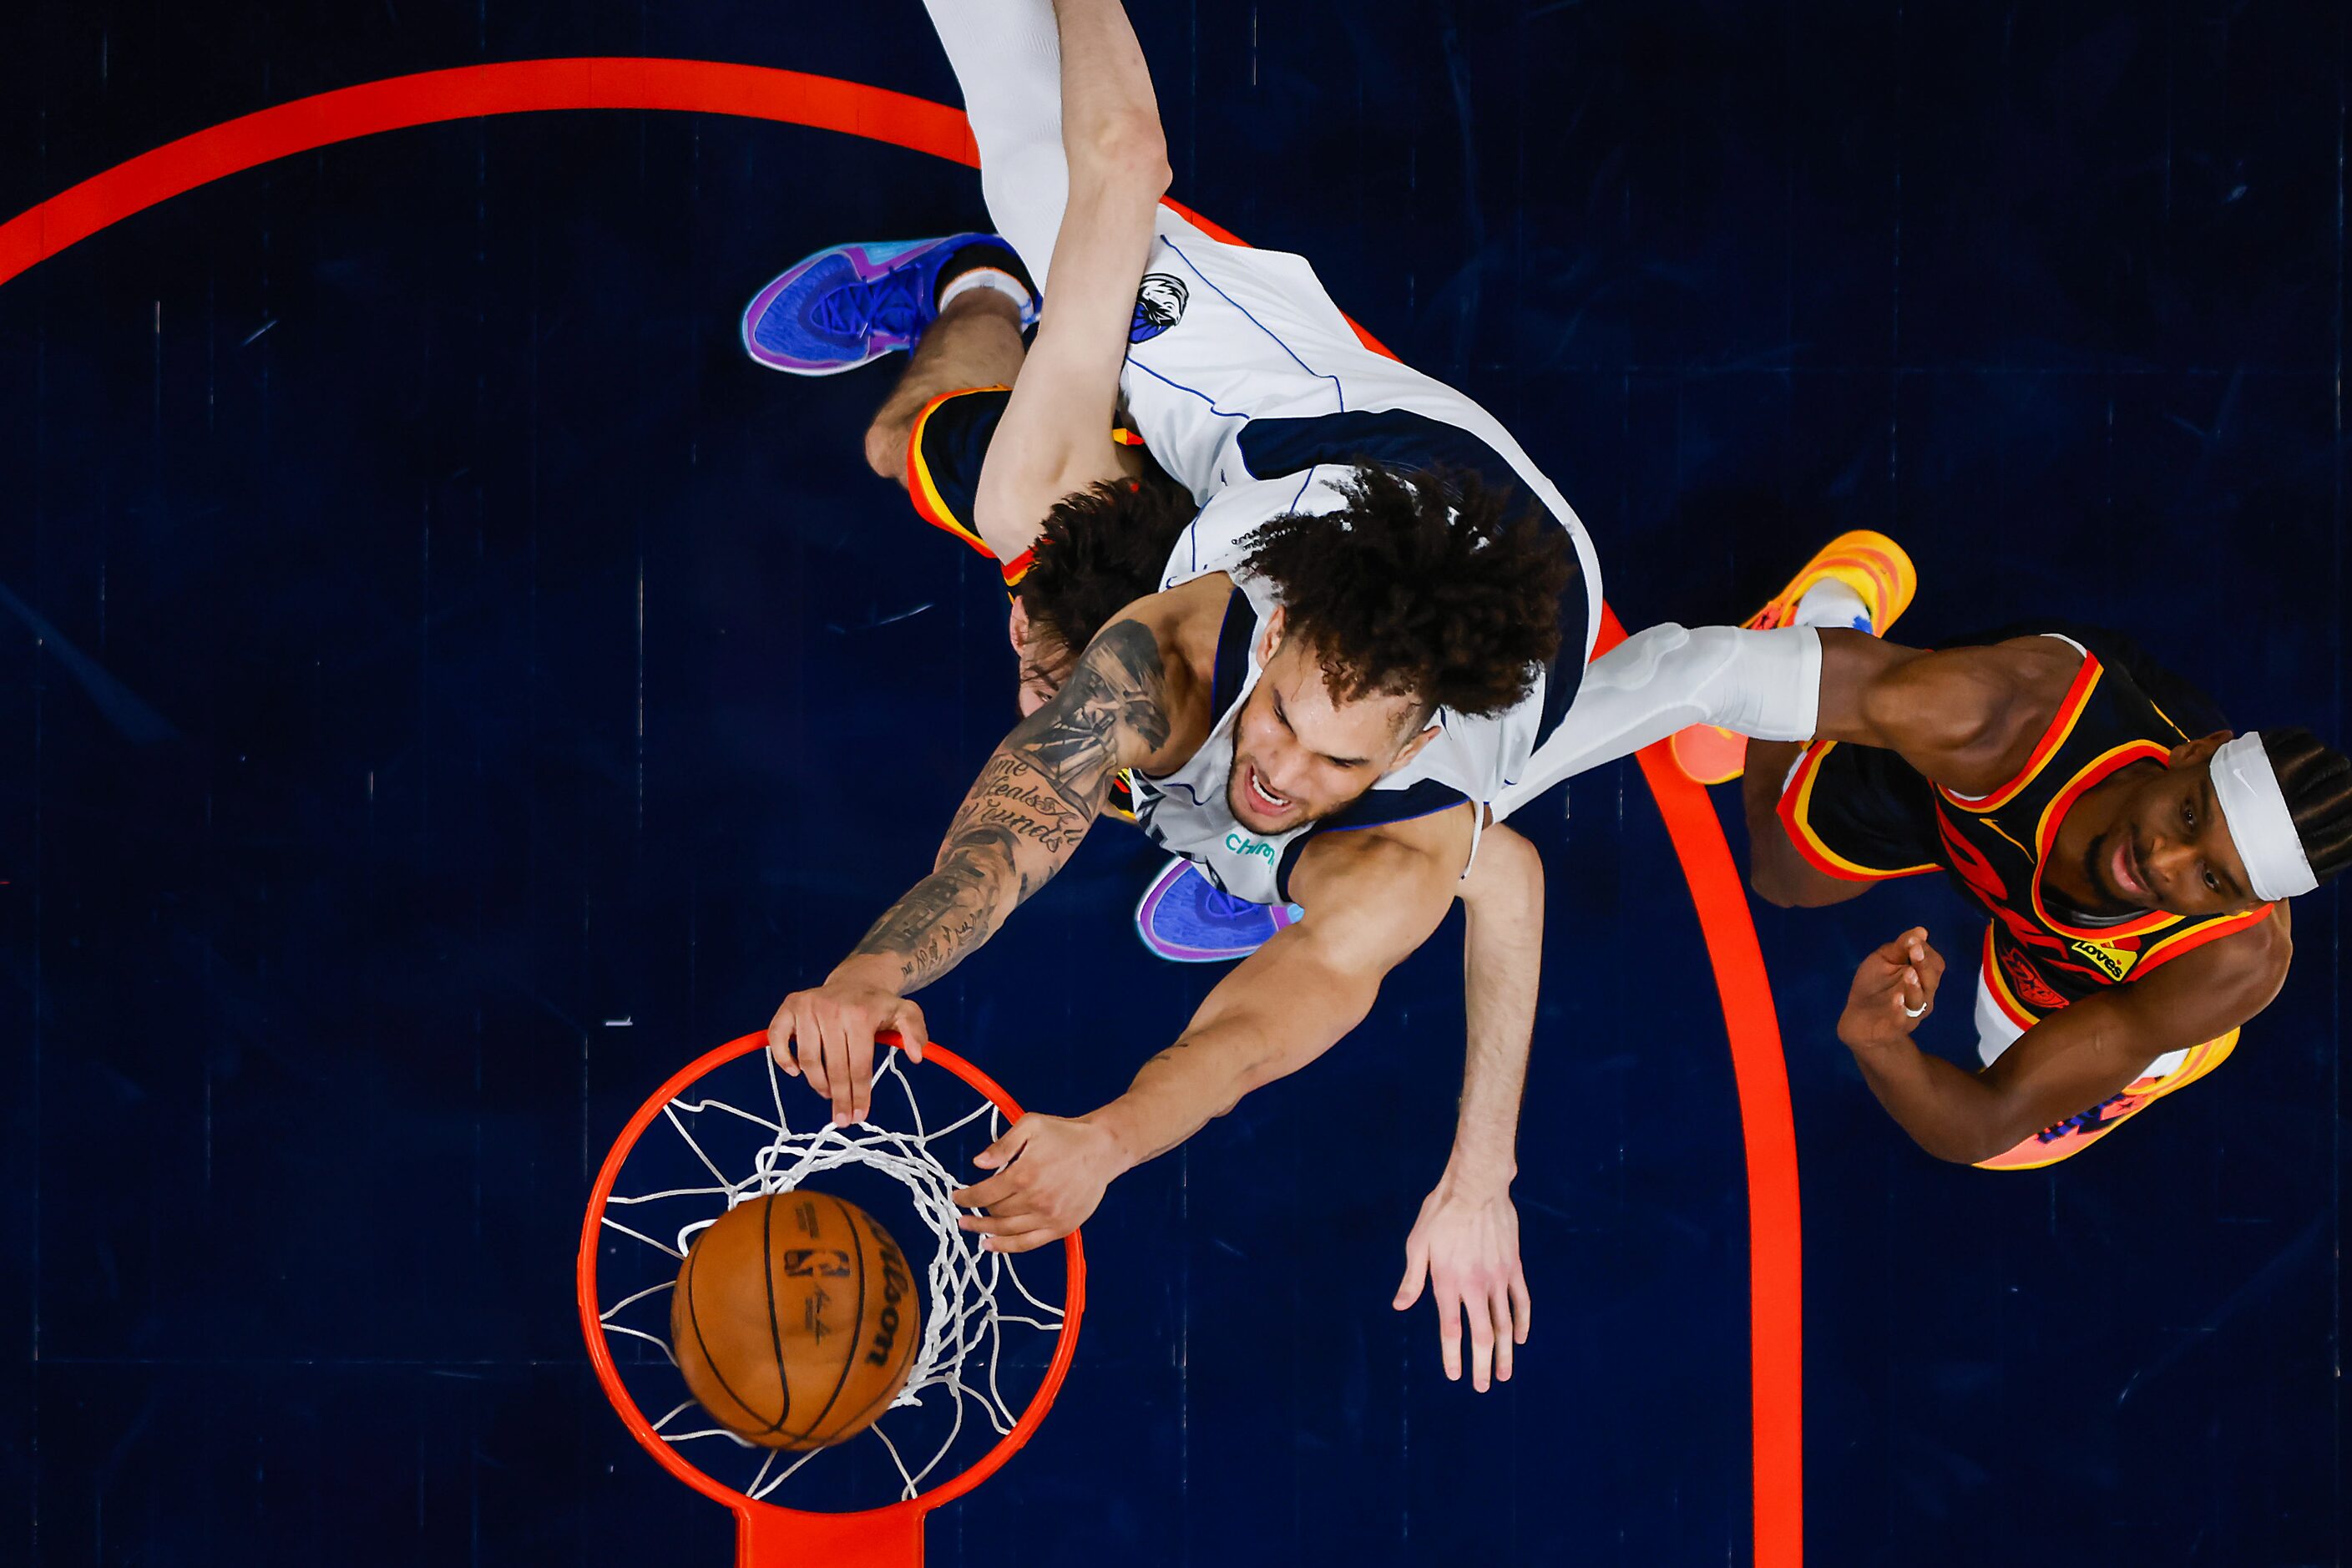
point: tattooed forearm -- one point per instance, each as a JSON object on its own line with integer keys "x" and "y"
{"x": 1030, "y": 807}
{"x": 1011, "y": 795}
{"x": 952, "y": 911}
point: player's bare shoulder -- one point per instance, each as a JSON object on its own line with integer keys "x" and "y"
{"x": 2258, "y": 957}
{"x": 2221, "y": 984}
{"x": 1155, "y": 661}
{"x": 1191, "y": 621}
{"x": 2024, "y": 681}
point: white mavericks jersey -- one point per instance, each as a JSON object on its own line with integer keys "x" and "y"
{"x": 1239, "y": 367}
{"x": 1250, "y": 389}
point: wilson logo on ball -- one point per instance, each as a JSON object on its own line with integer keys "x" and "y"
{"x": 894, "y": 1285}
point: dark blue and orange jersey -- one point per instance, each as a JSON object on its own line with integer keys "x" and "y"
{"x": 944, "y": 454}
{"x": 1861, "y": 814}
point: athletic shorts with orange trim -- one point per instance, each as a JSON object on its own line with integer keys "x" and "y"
{"x": 2071, "y": 1137}
{"x": 944, "y": 453}
{"x": 1860, "y": 814}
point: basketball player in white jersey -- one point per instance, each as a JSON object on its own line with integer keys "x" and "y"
{"x": 1367, "y": 649}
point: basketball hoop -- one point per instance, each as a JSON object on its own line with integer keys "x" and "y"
{"x": 734, "y": 1138}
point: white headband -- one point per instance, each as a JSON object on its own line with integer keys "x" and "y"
{"x": 2246, "y": 788}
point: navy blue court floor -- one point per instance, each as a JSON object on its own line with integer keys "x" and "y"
{"x": 426, "y": 641}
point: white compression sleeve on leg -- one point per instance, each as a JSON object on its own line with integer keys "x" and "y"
{"x": 1765, "y": 685}
{"x": 1007, "y": 56}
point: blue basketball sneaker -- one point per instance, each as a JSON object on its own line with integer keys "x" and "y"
{"x": 851, "y": 304}
{"x": 1187, "y": 919}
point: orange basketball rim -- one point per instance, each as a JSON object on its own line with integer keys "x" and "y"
{"x": 767, "y": 1534}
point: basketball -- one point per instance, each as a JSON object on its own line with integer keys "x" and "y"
{"x": 795, "y": 1320}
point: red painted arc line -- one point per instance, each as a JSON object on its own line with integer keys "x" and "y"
{"x": 1776, "y": 1275}
{"x": 469, "y": 92}
{"x": 756, "y": 93}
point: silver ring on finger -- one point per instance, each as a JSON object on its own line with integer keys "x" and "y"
{"x": 1918, "y": 1012}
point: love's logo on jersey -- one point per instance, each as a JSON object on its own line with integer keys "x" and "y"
{"x": 2113, "y": 960}
{"x": 1159, "y": 305}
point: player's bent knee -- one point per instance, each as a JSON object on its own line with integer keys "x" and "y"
{"x": 886, "y": 445}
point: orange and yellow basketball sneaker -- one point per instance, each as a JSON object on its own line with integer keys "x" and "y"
{"x": 1870, "y": 564}
{"x": 2078, "y": 1133}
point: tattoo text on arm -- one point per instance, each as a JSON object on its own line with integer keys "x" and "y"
{"x": 1040, "y": 792}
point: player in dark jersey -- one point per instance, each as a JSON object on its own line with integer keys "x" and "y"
{"x": 2135, "y": 858}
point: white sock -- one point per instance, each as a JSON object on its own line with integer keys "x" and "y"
{"x": 994, "y": 277}
{"x": 1833, "y": 603}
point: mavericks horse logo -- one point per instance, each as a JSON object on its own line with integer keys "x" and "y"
{"x": 1159, "y": 305}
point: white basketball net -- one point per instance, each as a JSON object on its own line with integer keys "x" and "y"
{"x": 963, "y": 1328}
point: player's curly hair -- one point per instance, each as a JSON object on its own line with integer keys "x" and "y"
{"x": 1428, "y": 583}
{"x": 1101, "y": 549}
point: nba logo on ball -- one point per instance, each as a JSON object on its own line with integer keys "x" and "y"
{"x": 1159, "y": 305}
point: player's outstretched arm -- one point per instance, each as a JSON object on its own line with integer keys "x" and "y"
{"x": 1372, "y": 897}
{"x": 1465, "y": 1246}
{"x": 1965, "y": 718}
{"x": 2074, "y": 1059}
{"x": 1020, "y": 824}
{"x": 1050, "y": 442}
